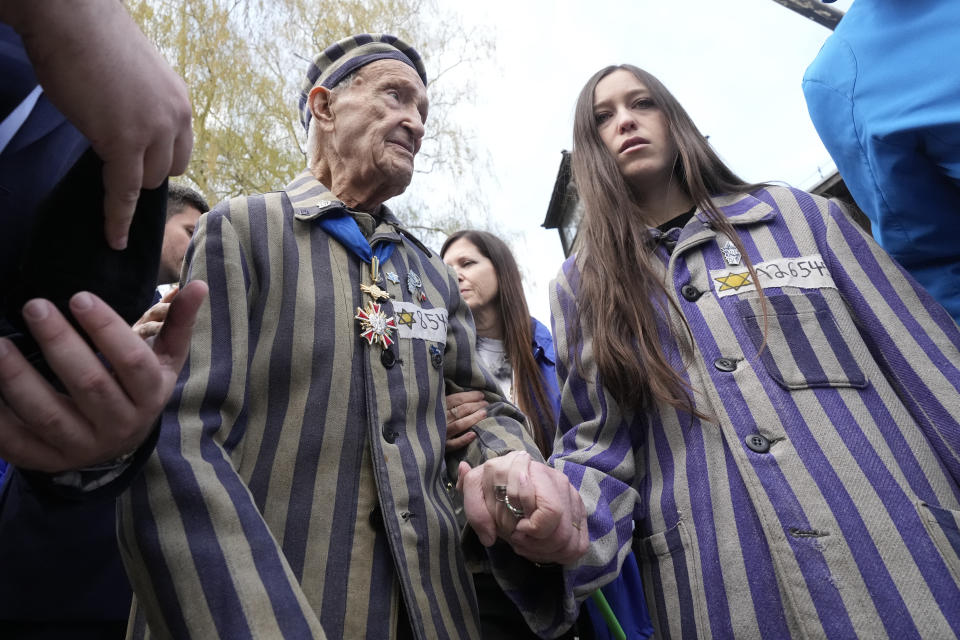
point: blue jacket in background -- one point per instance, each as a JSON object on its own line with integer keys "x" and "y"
{"x": 884, "y": 95}
{"x": 625, "y": 594}
{"x": 546, "y": 362}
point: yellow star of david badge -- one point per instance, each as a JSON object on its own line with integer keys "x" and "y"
{"x": 734, "y": 281}
{"x": 405, "y": 318}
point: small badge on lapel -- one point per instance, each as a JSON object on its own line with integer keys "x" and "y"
{"x": 413, "y": 282}
{"x": 731, "y": 254}
{"x": 393, "y": 277}
{"x": 436, "y": 356}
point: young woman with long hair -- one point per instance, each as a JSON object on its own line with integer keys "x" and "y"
{"x": 755, "y": 398}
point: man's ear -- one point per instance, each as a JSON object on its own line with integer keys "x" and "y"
{"x": 319, "y": 101}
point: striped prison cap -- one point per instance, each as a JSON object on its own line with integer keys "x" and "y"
{"x": 341, "y": 59}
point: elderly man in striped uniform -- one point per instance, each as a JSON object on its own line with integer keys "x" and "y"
{"x": 299, "y": 488}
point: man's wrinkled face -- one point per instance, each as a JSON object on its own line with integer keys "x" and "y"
{"x": 377, "y": 126}
{"x": 176, "y": 238}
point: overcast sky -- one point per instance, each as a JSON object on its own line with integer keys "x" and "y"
{"x": 735, "y": 65}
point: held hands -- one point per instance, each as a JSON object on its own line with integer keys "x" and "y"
{"x": 530, "y": 505}
{"x": 103, "y": 415}
{"x": 151, "y": 321}
{"x": 464, "y": 410}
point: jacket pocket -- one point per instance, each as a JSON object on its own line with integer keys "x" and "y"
{"x": 668, "y": 562}
{"x": 943, "y": 526}
{"x": 810, "y": 341}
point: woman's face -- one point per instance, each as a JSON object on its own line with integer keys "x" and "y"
{"x": 634, "y": 129}
{"x": 475, "y": 274}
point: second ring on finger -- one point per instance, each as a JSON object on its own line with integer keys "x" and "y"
{"x": 516, "y": 510}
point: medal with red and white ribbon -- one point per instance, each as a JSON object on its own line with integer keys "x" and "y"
{"x": 375, "y": 325}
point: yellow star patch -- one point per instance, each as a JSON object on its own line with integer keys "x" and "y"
{"x": 734, "y": 281}
{"x": 405, "y": 318}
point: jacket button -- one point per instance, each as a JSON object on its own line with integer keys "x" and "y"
{"x": 376, "y": 519}
{"x": 757, "y": 443}
{"x": 389, "y": 434}
{"x": 388, "y": 358}
{"x": 725, "y": 364}
{"x": 690, "y": 292}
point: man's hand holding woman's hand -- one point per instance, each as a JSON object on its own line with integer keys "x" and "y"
{"x": 529, "y": 504}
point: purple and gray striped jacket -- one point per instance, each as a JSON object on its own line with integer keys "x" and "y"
{"x": 299, "y": 487}
{"x": 824, "y": 502}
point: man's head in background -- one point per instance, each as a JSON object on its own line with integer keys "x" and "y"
{"x": 184, "y": 208}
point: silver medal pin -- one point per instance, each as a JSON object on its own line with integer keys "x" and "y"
{"x": 731, "y": 254}
{"x": 413, "y": 282}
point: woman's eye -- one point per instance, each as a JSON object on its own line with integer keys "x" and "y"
{"x": 643, "y": 103}
{"x": 600, "y": 118}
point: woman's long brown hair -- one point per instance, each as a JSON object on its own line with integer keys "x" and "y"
{"x": 528, "y": 383}
{"x": 622, "y": 300}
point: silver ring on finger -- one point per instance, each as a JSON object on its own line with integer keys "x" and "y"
{"x": 515, "y": 510}
{"x": 500, "y": 492}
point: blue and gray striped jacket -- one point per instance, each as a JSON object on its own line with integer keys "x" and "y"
{"x": 824, "y": 501}
{"x": 299, "y": 487}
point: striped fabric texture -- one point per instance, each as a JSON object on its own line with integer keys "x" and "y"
{"x": 824, "y": 501}
{"x": 299, "y": 487}
{"x": 341, "y": 58}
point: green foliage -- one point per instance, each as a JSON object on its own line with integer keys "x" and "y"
{"x": 243, "y": 61}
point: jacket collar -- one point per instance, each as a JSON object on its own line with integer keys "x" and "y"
{"x": 310, "y": 200}
{"x": 741, "y": 208}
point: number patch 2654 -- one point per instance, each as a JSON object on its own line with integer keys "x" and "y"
{"x": 806, "y": 272}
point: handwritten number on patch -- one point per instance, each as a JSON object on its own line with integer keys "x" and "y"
{"x": 799, "y": 268}
{"x": 819, "y": 266}
{"x": 430, "y": 320}
{"x": 804, "y": 272}
{"x": 420, "y": 323}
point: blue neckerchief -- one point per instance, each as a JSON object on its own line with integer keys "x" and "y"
{"x": 342, "y": 226}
